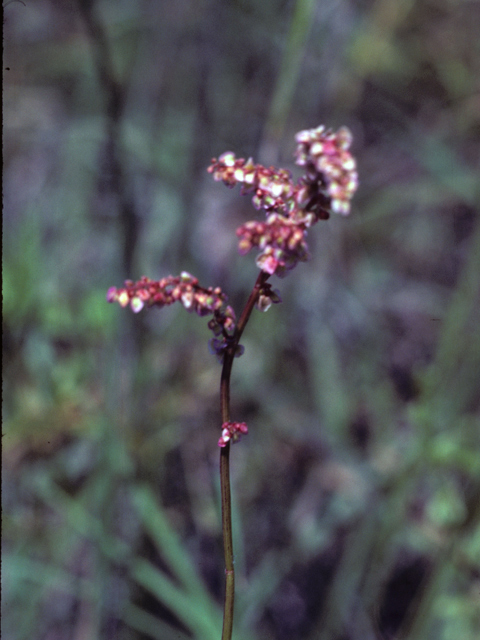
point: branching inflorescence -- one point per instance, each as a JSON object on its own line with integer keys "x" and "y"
{"x": 327, "y": 185}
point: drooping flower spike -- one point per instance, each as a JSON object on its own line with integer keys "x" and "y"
{"x": 186, "y": 290}
{"x": 160, "y": 293}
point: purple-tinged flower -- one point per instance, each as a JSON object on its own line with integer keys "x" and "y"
{"x": 267, "y": 297}
{"x": 218, "y": 346}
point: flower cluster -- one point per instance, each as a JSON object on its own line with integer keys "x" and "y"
{"x": 223, "y": 339}
{"x": 186, "y": 290}
{"x": 273, "y": 188}
{"x": 281, "y": 239}
{"x": 232, "y": 432}
{"x": 328, "y": 184}
{"x": 329, "y": 164}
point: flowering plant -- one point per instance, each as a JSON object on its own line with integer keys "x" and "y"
{"x": 327, "y": 186}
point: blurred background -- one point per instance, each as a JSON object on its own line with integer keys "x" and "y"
{"x": 357, "y": 491}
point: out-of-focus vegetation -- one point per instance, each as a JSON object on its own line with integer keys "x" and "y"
{"x": 357, "y": 491}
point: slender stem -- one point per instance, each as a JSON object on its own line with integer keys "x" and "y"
{"x": 225, "y": 459}
{"x": 227, "y": 543}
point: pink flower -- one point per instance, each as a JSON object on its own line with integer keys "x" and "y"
{"x": 330, "y": 179}
{"x": 232, "y": 432}
{"x": 186, "y": 290}
{"x": 328, "y": 161}
{"x": 160, "y": 293}
{"x": 281, "y": 239}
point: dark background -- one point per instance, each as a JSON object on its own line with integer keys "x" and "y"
{"x": 357, "y": 490}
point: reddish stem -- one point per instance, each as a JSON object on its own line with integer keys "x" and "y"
{"x": 225, "y": 457}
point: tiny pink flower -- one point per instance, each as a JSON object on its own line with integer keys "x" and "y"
{"x": 123, "y": 298}
{"x": 136, "y": 304}
{"x": 232, "y": 432}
